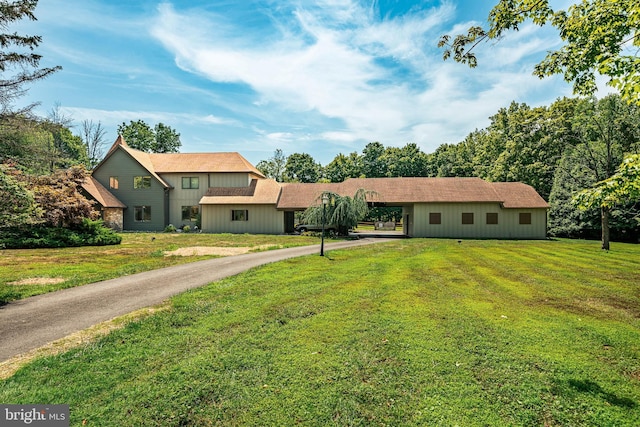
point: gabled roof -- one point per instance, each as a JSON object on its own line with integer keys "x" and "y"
{"x": 159, "y": 163}
{"x": 417, "y": 190}
{"x": 101, "y": 194}
{"x": 519, "y": 195}
{"x": 260, "y": 192}
{"x": 202, "y": 163}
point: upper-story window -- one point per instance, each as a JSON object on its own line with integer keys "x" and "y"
{"x": 141, "y": 182}
{"x": 113, "y": 182}
{"x": 191, "y": 182}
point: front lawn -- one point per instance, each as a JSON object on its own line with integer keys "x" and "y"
{"x": 28, "y": 272}
{"x": 408, "y": 333}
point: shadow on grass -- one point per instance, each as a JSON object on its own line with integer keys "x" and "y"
{"x": 590, "y": 387}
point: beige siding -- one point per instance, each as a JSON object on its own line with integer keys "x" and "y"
{"x": 263, "y": 219}
{"x": 229, "y": 180}
{"x": 180, "y": 197}
{"x": 451, "y": 226}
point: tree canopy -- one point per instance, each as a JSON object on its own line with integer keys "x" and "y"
{"x": 600, "y": 37}
{"x": 159, "y": 139}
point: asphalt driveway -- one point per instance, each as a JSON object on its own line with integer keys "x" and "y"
{"x": 33, "y": 322}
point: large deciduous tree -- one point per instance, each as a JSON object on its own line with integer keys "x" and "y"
{"x": 301, "y": 167}
{"x": 159, "y": 139}
{"x": 343, "y": 167}
{"x": 605, "y": 131}
{"x": 600, "y": 37}
{"x": 19, "y": 64}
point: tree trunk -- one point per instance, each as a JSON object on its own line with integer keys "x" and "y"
{"x": 605, "y": 228}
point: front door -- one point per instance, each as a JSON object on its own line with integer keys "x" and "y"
{"x": 289, "y": 221}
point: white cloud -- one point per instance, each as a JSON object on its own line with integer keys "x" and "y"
{"x": 378, "y": 77}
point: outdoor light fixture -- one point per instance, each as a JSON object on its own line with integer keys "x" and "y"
{"x": 325, "y": 202}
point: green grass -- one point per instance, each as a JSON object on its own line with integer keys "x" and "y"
{"x": 408, "y": 333}
{"x": 138, "y": 252}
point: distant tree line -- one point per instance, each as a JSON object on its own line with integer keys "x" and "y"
{"x": 560, "y": 150}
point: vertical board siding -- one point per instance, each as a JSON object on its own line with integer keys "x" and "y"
{"x": 125, "y": 168}
{"x": 184, "y": 196}
{"x": 263, "y": 219}
{"x": 229, "y": 179}
{"x": 508, "y": 226}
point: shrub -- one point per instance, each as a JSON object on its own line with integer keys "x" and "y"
{"x": 170, "y": 229}
{"x": 186, "y": 229}
{"x": 87, "y": 233}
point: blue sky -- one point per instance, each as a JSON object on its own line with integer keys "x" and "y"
{"x": 319, "y": 77}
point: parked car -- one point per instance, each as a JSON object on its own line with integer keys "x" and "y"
{"x": 302, "y": 228}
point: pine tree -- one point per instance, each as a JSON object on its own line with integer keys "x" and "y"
{"x": 19, "y": 64}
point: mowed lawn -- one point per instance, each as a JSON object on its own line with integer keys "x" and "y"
{"x": 414, "y": 332}
{"x": 28, "y": 272}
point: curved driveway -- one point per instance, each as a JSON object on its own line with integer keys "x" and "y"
{"x": 33, "y": 322}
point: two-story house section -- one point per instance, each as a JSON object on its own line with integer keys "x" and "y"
{"x": 159, "y": 189}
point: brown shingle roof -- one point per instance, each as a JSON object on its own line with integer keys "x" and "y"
{"x": 418, "y": 190}
{"x": 101, "y": 194}
{"x": 519, "y": 195}
{"x": 158, "y": 163}
{"x": 261, "y": 192}
{"x": 201, "y": 163}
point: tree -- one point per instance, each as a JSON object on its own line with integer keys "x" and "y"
{"x": 17, "y": 204}
{"x": 605, "y": 131}
{"x": 301, "y": 168}
{"x": 167, "y": 139}
{"x": 343, "y": 167}
{"x": 598, "y": 37}
{"x": 38, "y": 146}
{"x": 274, "y": 167}
{"x": 59, "y": 196}
{"x": 343, "y": 211}
{"x": 93, "y": 138}
{"x": 160, "y": 139}
{"x": 621, "y": 188}
{"x": 373, "y": 162}
{"x": 17, "y": 53}
{"x": 406, "y": 161}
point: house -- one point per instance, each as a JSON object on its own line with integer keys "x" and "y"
{"x": 224, "y": 193}
{"x": 161, "y": 189}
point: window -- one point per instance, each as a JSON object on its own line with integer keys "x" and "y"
{"x": 141, "y": 182}
{"x": 435, "y": 218}
{"x": 113, "y": 182}
{"x": 525, "y": 218}
{"x": 142, "y": 213}
{"x": 239, "y": 215}
{"x": 467, "y": 218}
{"x": 492, "y": 218}
{"x": 191, "y": 182}
{"x": 190, "y": 213}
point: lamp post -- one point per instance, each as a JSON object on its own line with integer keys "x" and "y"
{"x": 325, "y": 202}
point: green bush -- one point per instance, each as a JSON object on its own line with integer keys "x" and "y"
{"x": 170, "y": 229}
{"x": 186, "y": 229}
{"x": 88, "y": 233}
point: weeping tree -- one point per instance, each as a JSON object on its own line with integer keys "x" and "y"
{"x": 343, "y": 211}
